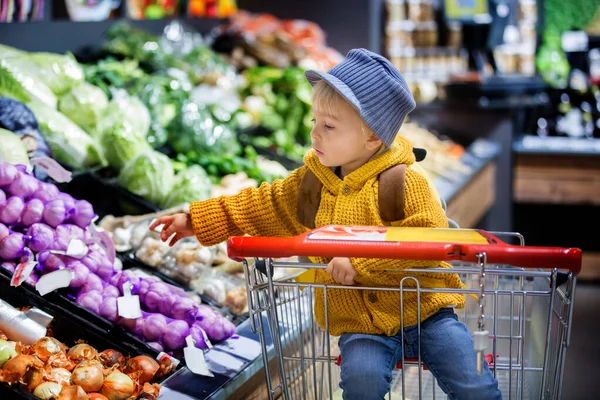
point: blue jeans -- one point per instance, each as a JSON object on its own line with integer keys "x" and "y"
{"x": 446, "y": 350}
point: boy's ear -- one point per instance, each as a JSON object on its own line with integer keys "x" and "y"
{"x": 373, "y": 142}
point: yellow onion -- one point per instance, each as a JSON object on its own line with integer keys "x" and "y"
{"x": 59, "y": 375}
{"x": 82, "y": 352}
{"x": 145, "y": 366}
{"x": 111, "y": 357}
{"x": 47, "y": 391}
{"x": 117, "y": 386}
{"x": 25, "y": 369}
{"x": 46, "y": 347}
{"x": 88, "y": 375}
{"x": 73, "y": 393}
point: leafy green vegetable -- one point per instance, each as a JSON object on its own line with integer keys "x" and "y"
{"x": 284, "y": 110}
{"x": 191, "y": 184}
{"x": 121, "y": 145}
{"x": 111, "y": 73}
{"x": 16, "y": 85}
{"x": 84, "y": 105}
{"x": 7, "y": 51}
{"x": 563, "y": 15}
{"x": 59, "y": 72}
{"x": 69, "y": 143}
{"x": 149, "y": 175}
{"x": 12, "y": 149}
{"x": 127, "y": 113}
{"x": 196, "y": 129}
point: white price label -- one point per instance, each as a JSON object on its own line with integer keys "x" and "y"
{"x": 54, "y": 280}
{"x": 194, "y": 359}
{"x": 128, "y": 306}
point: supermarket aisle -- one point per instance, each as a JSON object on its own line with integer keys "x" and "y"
{"x": 582, "y": 379}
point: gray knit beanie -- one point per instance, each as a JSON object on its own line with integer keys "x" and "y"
{"x": 374, "y": 87}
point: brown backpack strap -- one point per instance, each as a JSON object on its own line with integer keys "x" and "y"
{"x": 391, "y": 193}
{"x": 309, "y": 198}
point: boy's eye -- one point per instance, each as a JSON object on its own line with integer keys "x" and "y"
{"x": 313, "y": 120}
{"x": 328, "y": 126}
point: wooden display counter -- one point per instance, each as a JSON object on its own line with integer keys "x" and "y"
{"x": 566, "y": 176}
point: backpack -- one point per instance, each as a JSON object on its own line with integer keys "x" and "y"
{"x": 391, "y": 193}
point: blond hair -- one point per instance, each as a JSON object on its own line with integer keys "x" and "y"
{"x": 326, "y": 99}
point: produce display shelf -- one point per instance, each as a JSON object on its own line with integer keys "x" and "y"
{"x": 67, "y": 327}
{"x": 529, "y": 144}
{"x": 477, "y": 156}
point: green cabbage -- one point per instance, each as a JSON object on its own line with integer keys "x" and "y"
{"x": 84, "y": 105}
{"x": 150, "y": 175}
{"x": 19, "y": 86}
{"x": 59, "y": 72}
{"x": 191, "y": 184}
{"x": 69, "y": 143}
{"x": 127, "y": 112}
{"x": 121, "y": 145}
{"x": 12, "y": 149}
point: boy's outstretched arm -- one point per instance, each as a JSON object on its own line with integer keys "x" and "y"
{"x": 269, "y": 210}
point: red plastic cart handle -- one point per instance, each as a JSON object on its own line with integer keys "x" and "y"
{"x": 406, "y": 244}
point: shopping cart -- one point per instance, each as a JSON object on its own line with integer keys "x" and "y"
{"x": 519, "y": 306}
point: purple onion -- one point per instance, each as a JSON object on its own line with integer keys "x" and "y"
{"x": 50, "y": 262}
{"x": 54, "y": 213}
{"x": 108, "y": 309}
{"x": 82, "y": 214}
{"x": 46, "y": 192}
{"x": 40, "y": 237}
{"x": 175, "y": 334}
{"x": 8, "y": 173}
{"x": 198, "y": 337}
{"x": 68, "y": 201}
{"x": 105, "y": 270}
{"x": 81, "y": 274}
{"x": 90, "y": 301}
{"x": 12, "y": 246}
{"x": 2, "y": 196}
{"x": 92, "y": 283}
{"x": 154, "y": 327}
{"x": 111, "y": 291}
{"x": 221, "y": 329}
{"x": 23, "y": 186}
{"x": 11, "y": 211}
{"x": 152, "y": 300}
{"x": 33, "y": 212}
{"x": 166, "y": 304}
{"x": 184, "y": 308}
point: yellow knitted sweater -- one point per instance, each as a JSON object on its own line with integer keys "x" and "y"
{"x": 270, "y": 210}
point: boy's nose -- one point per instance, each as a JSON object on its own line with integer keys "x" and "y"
{"x": 314, "y": 135}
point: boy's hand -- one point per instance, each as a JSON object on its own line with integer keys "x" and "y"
{"x": 180, "y": 224}
{"x": 342, "y": 270}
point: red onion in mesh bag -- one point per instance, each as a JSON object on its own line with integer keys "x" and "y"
{"x": 33, "y": 212}
{"x": 82, "y": 213}
{"x": 46, "y": 192}
{"x": 50, "y": 262}
{"x": 108, "y": 309}
{"x": 90, "y": 301}
{"x": 40, "y": 237}
{"x": 155, "y": 326}
{"x": 175, "y": 334}
{"x": 54, "y": 213}
{"x": 81, "y": 273}
{"x": 23, "y": 185}
{"x": 4, "y": 232}
{"x": 11, "y": 211}
{"x": 12, "y": 246}
{"x": 8, "y": 173}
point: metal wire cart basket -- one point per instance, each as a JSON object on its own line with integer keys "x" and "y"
{"x": 519, "y": 306}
